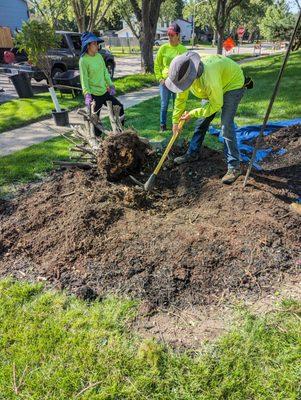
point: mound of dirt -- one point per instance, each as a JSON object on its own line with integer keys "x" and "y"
{"x": 286, "y": 137}
{"x": 287, "y": 165}
{"x": 121, "y": 155}
{"x": 192, "y": 241}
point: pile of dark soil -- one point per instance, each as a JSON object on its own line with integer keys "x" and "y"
{"x": 288, "y": 165}
{"x": 121, "y": 155}
{"x": 192, "y": 241}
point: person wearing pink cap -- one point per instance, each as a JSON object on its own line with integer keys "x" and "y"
{"x": 165, "y": 55}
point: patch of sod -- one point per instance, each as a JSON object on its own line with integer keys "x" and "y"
{"x": 20, "y": 112}
{"x": 54, "y": 346}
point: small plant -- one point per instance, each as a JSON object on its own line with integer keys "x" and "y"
{"x": 36, "y": 39}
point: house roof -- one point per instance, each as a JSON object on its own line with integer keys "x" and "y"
{"x": 126, "y": 28}
{"x": 185, "y": 20}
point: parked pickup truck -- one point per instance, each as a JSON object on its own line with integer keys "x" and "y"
{"x": 66, "y": 56}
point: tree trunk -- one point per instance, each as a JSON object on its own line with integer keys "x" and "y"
{"x": 148, "y": 17}
{"x": 220, "y": 39}
{"x": 221, "y": 19}
{"x": 146, "y": 45}
{"x": 214, "y": 37}
{"x": 79, "y": 10}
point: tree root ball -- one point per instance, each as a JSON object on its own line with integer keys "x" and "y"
{"x": 121, "y": 155}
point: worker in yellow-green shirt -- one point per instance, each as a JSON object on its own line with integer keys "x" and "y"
{"x": 95, "y": 79}
{"x": 165, "y": 55}
{"x": 219, "y": 82}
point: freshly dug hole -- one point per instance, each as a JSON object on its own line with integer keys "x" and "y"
{"x": 121, "y": 155}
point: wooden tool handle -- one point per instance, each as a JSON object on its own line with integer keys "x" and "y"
{"x": 169, "y": 146}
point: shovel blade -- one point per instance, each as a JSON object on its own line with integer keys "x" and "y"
{"x": 137, "y": 182}
{"x": 150, "y": 182}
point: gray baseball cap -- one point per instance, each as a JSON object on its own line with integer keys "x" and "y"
{"x": 183, "y": 70}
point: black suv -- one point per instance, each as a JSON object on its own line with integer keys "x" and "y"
{"x": 66, "y": 57}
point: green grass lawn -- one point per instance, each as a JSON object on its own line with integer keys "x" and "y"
{"x": 20, "y": 112}
{"x": 54, "y": 346}
{"x": 240, "y": 57}
{"x": 29, "y": 164}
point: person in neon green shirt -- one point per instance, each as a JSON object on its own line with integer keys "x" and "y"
{"x": 94, "y": 76}
{"x": 219, "y": 82}
{"x": 165, "y": 55}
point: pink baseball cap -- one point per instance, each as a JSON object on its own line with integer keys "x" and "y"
{"x": 173, "y": 29}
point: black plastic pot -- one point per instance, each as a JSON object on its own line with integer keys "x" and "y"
{"x": 22, "y": 85}
{"x": 61, "y": 118}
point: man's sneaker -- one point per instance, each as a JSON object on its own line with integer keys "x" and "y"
{"x": 231, "y": 175}
{"x": 186, "y": 158}
{"x": 163, "y": 128}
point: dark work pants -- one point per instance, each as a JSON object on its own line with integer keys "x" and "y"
{"x": 101, "y": 100}
{"x": 231, "y": 102}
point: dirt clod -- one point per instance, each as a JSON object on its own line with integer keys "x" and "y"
{"x": 121, "y": 155}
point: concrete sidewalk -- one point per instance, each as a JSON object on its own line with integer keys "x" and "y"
{"x": 20, "y": 138}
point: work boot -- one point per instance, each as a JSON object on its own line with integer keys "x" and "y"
{"x": 163, "y": 128}
{"x": 186, "y": 158}
{"x": 231, "y": 175}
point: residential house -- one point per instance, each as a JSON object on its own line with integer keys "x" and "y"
{"x": 185, "y": 25}
{"x": 13, "y": 13}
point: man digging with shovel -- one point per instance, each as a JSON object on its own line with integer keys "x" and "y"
{"x": 219, "y": 82}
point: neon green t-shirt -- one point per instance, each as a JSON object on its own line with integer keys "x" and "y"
{"x": 165, "y": 55}
{"x": 221, "y": 74}
{"x": 94, "y": 76}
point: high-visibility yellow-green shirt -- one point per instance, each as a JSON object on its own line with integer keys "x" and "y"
{"x": 221, "y": 74}
{"x": 94, "y": 76}
{"x": 165, "y": 55}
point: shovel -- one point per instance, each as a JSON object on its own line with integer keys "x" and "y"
{"x": 148, "y": 185}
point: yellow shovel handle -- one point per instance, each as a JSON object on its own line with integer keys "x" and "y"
{"x": 169, "y": 146}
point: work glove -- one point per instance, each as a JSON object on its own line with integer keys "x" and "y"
{"x": 88, "y": 100}
{"x": 112, "y": 90}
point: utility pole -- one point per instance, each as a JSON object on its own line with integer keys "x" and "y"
{"x": 193, "y": 23}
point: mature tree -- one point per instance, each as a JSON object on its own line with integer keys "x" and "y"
{"x": 124, "y": 9}
{"x": 215, "y": 13}
{"x": 222, "y": 11}
{"x": 249, "y": 15}
{"x": 89, "y": 14}
{"x": 171, "y": 10}
{"x": 147, "y": 15}
{"x": 112, "y": 20}
{"x": 54, "y": 12}
{"x": 202, "y": 13}
{"x": 278, "y": 22}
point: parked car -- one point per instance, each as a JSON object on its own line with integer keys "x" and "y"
{"x": 66, "y": 56}
{"x": 162, "y": 40}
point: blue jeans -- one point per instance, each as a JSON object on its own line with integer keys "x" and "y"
{"x": 165, "y": 95}
{"x": 231, "y": 101}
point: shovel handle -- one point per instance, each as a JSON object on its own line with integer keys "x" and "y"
{"x": 168, "y": 147}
